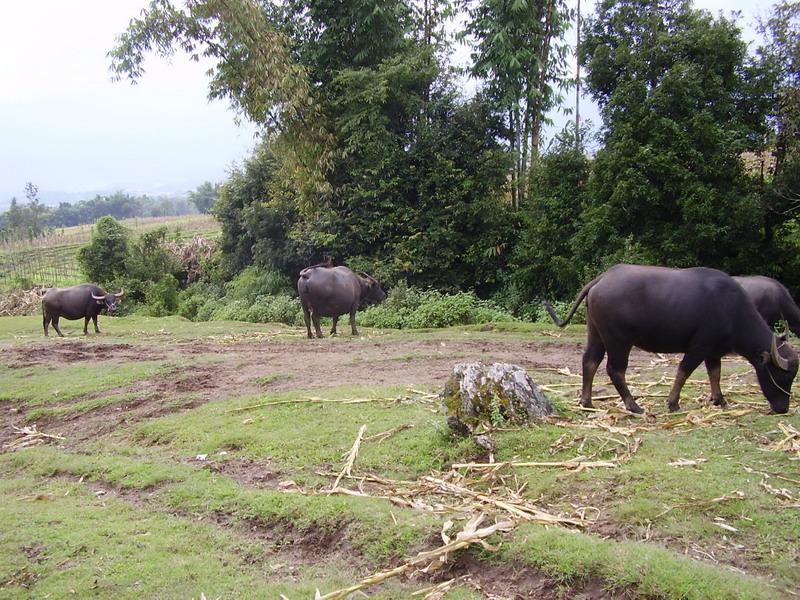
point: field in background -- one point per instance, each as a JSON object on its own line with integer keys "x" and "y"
{"x": 51, "y": 259}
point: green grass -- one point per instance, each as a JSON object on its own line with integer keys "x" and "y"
{"x": 185, "y": 529}
{"x": 303, "y": 436}
{"x": 575, "y": 558}
{"x": 78, "y": 408}
{"x": 77, "y": 544}
{"x": 36, "y": 385}
{"x": 144, "y": 330}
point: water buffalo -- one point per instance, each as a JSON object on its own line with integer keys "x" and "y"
{"x": 334, "y": 291}
{"x": 701, "y": 312}
{"x": 72, "y": 303}
{"x": 772, "y": 300}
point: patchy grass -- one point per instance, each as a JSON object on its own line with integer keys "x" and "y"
{"x": 78, "y": 408}
{"x": 40, "y": 385}
{"x": 572, "y": 558}
{"x": 173, "y": 526}
{"x": 76, "y": 543}
{"x": 305, "y": 436}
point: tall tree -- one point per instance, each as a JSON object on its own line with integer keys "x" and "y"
{"x": 204, "y": 196}
{"x": 781, "y": 55}
{"x": 668, "y": 186}
{"x": 520, "y": 51}
{"x": 253, "y": 69}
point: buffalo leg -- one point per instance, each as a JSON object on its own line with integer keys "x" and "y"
{"x": 353, "y": 322}
{"x": 714, "y": 368}
{"x": 86, "y": 325}
{"x": 615, "y": 367}
{"x": 315, "y": 319}
{"x": 45, "y": 323}
{"x": 686, "y": 367}
{"x": 307, "y": 320}
{"x": 335, "y": 321}
{"x": 55, "y": 326}
{"x": 592, "y": 357}
{"x": 96, "y": 328}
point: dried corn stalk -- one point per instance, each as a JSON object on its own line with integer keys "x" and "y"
{"x": 31, "y": 437}
{"x": 432, "y": 559}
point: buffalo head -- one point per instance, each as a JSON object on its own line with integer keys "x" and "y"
{"x": 776, "y": 373}
{"x": 110, "y": 302}
{"x": 371, "y": 290}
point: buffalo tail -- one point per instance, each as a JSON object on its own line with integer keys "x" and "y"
{"x": 579, "y": 298}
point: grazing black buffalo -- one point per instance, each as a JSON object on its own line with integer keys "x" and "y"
{"x": 701, "y": 312}
{"x": 334, "y": 291}
{"x": 72, "y": 303}
{"x": 772, "y": 300}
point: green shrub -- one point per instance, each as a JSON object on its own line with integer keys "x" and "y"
{"x": 443, "y": 311}
{"x": 162, "y": 297}
{"x": 208, "y": 309}
{"x": 407, "y": 307}
{"x": 275, "y": 309}
{"x": 254, "y": 282}
{"x": 104, "y": 258}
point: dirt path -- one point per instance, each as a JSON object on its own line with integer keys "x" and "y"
{"x": 204, "y": 371}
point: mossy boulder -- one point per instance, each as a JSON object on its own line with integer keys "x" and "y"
{"x": 496, "y": 394}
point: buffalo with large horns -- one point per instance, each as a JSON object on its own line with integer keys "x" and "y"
{"x": 700, "y": 312}
{"x": 80, "y": 301}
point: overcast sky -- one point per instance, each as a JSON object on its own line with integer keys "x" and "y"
{"x": 65, "y": 126}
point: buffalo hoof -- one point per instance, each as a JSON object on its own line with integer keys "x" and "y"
{"x": 633, "y": 407}
{"x": 719, "y": 402}
{"x": 673, "y": 407}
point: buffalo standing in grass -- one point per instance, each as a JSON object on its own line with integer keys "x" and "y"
{"x": 332, "y": 292}
{"x": 772, "y": 300}
{"x": 80, "y": 301}
{"x": 701, "y": 312}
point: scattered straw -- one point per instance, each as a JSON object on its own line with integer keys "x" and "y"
{"x": 734, "y": 495}
{"x": 308, "y": 400}
{"x": 351, "y": 457}
{"x": 790, "y": 442}
{"x": 570, "y": 465}
{"x": 31, "y": 437}
{"x": 379, "y": 437}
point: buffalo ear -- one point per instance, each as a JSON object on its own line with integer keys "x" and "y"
{"x": 103, "y": 301}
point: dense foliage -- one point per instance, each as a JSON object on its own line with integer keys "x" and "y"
{"x": 371, "y": 155}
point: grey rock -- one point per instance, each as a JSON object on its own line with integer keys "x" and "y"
{"x": 496, "y": 394}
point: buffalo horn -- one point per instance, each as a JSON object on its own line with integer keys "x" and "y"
{"x": 103, "y": 297}
{"x": 120, "y": 294}
{"x": 777, "y": 359}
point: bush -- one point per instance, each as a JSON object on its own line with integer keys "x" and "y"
{"x": 162, "y": 297}
{"x": 254, "y": 282}
{"x": 407, "y": 307}
{"x": 208, "y": 309}
{"x": 275, "y": 309}
{"x": 104, "y": 258}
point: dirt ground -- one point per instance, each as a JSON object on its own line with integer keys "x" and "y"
{"x": 215, "y": 371}
{"x": 212, "y": 371}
